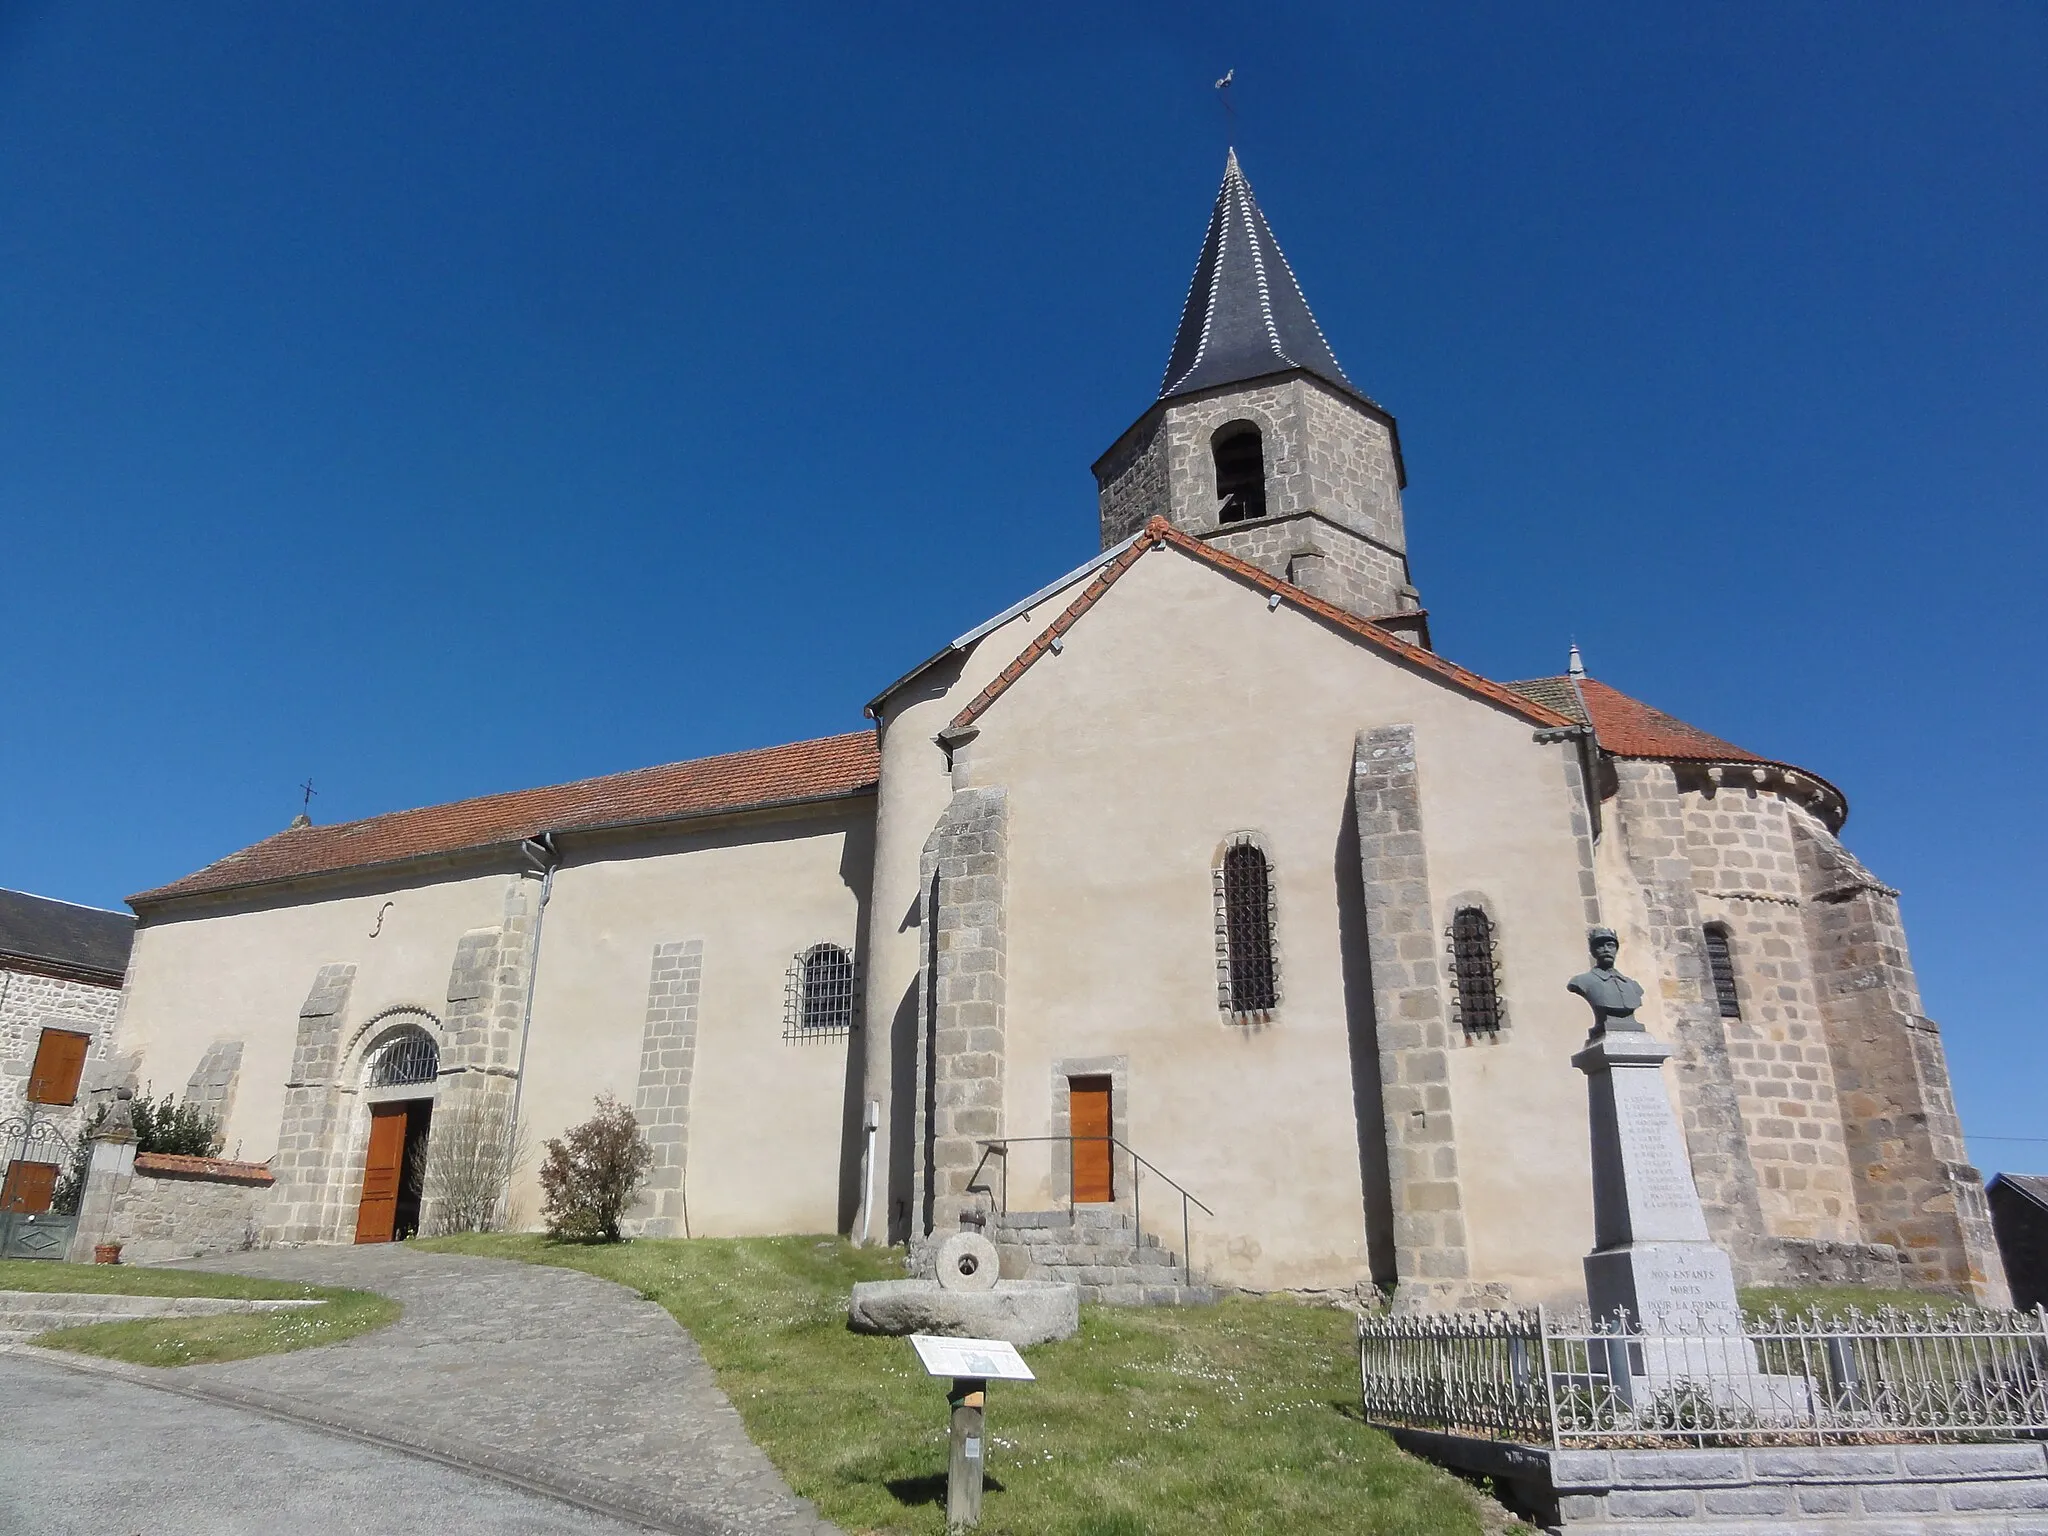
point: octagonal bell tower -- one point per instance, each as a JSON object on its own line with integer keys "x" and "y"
{"x": 1259, "y": 444}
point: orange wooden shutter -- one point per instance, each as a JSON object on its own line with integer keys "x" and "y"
{"x": 28, "y": 1189}
{"x": 1094, "y": 1161}
{"x": 60, "y": 1059}
{"x": 378, "y": 1213}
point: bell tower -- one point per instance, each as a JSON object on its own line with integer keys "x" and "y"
{"x": 1258, "y": 442}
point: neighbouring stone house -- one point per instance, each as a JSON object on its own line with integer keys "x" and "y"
{"x": 61, "y": 969}
{"x": 1202, "y": 847}
{"x": 2019, "y": 1215}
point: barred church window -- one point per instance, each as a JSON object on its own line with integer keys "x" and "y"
{"x": 410, "y": 1056}
{"x": 820, "y": 993}
{"x": 1721, "y": 964}
{"x": 1240, "y": 472}
{"x": 1251, "y": 979}
{"x": 1475, "y": 972}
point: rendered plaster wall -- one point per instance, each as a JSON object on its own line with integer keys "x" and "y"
{"x": 203, "y": 975}
{"x": 916, "y": 789}
{"x": 1181, "y": 710}
{"x": 770, "y": 1140}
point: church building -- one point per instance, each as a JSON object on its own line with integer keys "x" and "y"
{"x": 1194, "y": 895}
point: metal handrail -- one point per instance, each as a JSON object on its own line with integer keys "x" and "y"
{"x": 1000, "y": 1147}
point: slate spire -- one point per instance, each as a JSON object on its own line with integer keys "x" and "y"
{"x": 1245, "y": 316}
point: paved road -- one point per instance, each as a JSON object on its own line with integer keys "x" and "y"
{"x": 557, "y": 1381}
{"x": 85, "y": 1455}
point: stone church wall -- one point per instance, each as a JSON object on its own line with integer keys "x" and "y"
{"x": 1180, "y": 713}
{"x": 1746, "y": 877}
{"x": 1914, "y": 1186}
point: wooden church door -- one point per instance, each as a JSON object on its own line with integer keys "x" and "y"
{"x": 382, "y": 1169}
{"x": 1094, "y": 1161}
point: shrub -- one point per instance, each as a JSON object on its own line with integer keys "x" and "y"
{"x": 589, "y": 1176}
{"x": 167, "y": 1126}
{"x": 472, "y": 1155}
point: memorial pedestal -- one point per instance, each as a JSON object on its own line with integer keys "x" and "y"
{"x": 1651, "y": 1257}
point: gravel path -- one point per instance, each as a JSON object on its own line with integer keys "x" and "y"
{"x": 206, "y": 1469}
{"x": 549, "y": 1379}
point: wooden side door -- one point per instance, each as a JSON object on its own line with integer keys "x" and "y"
{"x": 28, "y": 1189}
{"x": 60, "y": 1059}
{"x": 1094, "y": 1161}
{"x": 382, "y": 1167}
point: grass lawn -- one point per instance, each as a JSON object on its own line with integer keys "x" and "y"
{"x": 1241, "y": 1417}
{"x": 196, "y": 1340}
{"x": 1757, "y": 1301}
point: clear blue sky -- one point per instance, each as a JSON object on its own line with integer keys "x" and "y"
{"x": 443, "y": 399}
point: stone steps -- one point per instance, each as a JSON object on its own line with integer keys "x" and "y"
{"x": 24, "y": 1314}
{"x": 1099, "y": 1252}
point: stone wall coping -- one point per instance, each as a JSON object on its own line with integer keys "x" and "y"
{"x": 218, "y": 1170}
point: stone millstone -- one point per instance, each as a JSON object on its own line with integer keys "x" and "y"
{"x": 968, "y": 1262}
{"x": 1020, "y": 1311}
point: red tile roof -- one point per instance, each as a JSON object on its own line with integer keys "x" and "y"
{"x": 1159, "y": 534}
{"x": 176, "y": 1165}
{"x": 1627, "y": 727}
{"x": 830, "y": 767}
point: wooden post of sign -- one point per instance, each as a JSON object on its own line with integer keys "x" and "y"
{"x": 966, "y": 1396}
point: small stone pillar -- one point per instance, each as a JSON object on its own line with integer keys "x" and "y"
{"x": 1651, "y": 1253}
{"x": 107, "y": 1175}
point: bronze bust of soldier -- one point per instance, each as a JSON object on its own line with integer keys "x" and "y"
{"x": 1613, "y": 997}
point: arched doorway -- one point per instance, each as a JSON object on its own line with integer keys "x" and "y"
{"x": 398, "y": 1081}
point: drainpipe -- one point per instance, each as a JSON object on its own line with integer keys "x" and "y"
{"x": 545, "y": 858}
{"x": 872, "y": 1122}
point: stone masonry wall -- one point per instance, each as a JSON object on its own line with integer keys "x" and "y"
{"x": 305, "y": 1203}
{"x": 159, "y": 1216}
{"x": 668, "y": 1060}
{"x": 1323, "y": 560}
{"x": 29, "y": 1003}
{"x": 960, "y": 1068}
{"x": 211, "y": 1087}
{"x": 1914, "y": 1186}
{"x": 1649, "y": 815}
{"x": 1746, "y": 878}
{"x": 1430, "y": 1258}
{"x": 1324, "y": 454}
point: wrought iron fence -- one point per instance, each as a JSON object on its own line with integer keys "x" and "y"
{"x": 1808, "y": 1378}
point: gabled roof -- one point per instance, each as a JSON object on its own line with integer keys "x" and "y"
{"x": 86, "y": 941}
{"x": 1160, "y": 534}
{"x": 2032, "y": 1186}
{"x": 1245, "y": 316}
{"x": 829, "y": 768}
{"x": 1627, "y": 727}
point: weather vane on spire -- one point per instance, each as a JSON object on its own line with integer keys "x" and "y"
{"x": 1229, "y": 111}
{"x": 306, "y": 804}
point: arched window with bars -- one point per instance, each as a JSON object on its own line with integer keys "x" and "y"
{"x": 1248, "y": 981}
{"x": 1240, "y": 454}
{"x": 409, "y": 1056}
{"x": 1475, "y": 972}
{"x": 820, "y": 994}
{"x": 1721, "y": 966}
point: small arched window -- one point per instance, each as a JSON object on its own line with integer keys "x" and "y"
{"x": 1721, "y": 966}
{"x": 1240, "y": 472}
{"x": 1251, "y": 978}
{"x": 1475, "y": 972}
{"x": 820, "y": 993}
{"x": 410, "y": 1056}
